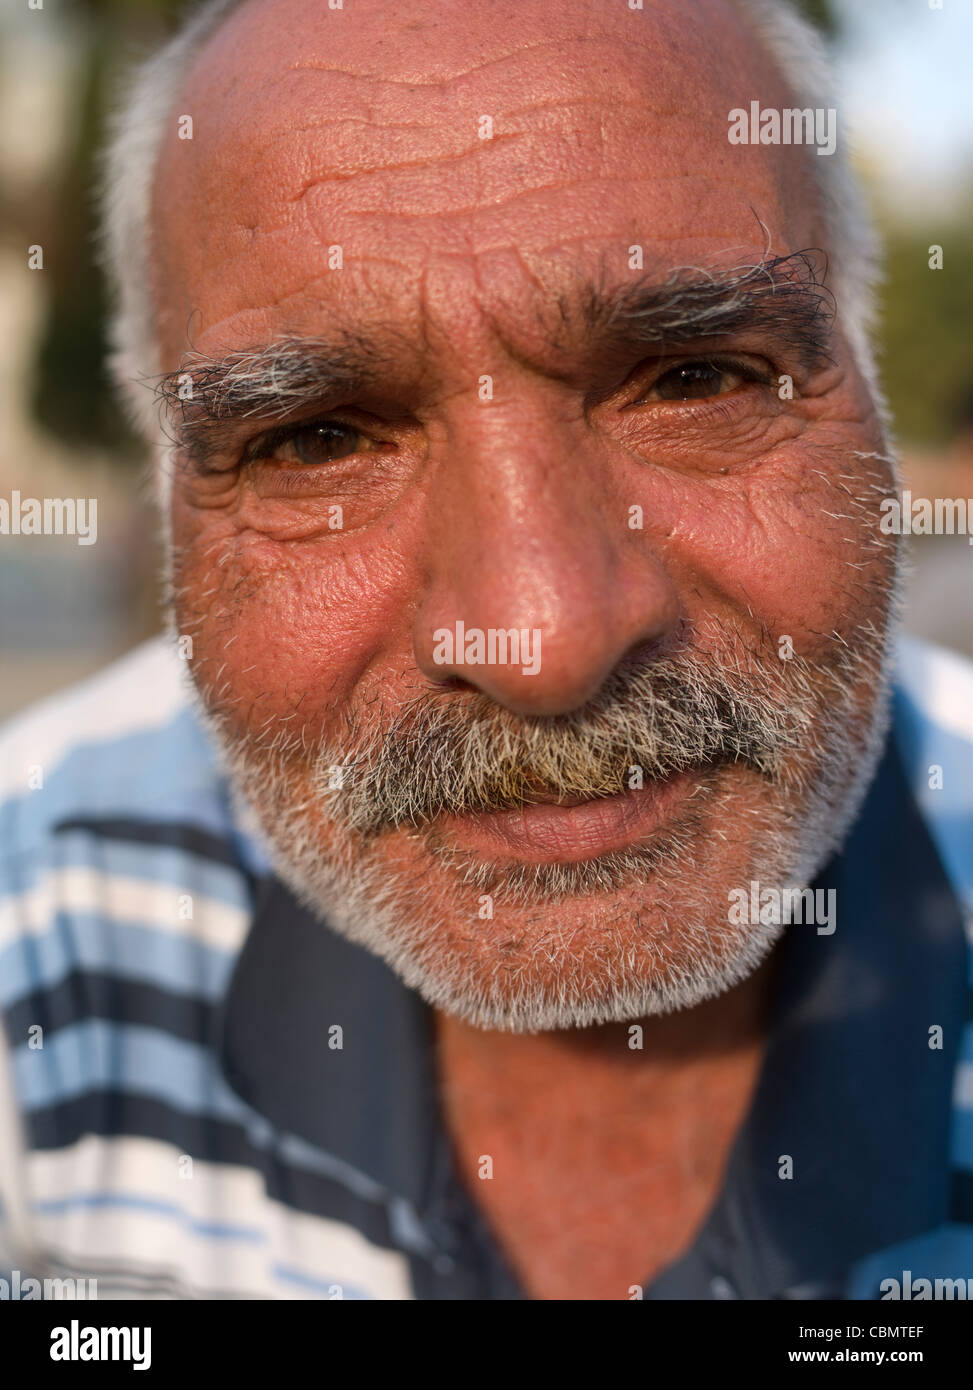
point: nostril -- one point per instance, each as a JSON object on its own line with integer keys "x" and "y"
{"x": 459, "y": 684}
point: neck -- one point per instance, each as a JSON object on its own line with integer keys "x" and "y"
{"x": 712, "y": 1035}
{"x": 604, "y": 1157}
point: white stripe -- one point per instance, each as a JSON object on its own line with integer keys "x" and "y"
{"x": 82, "y": 888}
{"x": 323, "y": 1249}
{"x": 141, "y": 691}
{"x": 940, "y": 683}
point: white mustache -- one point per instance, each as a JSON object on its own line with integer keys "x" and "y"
{"x": 440, "y": 755}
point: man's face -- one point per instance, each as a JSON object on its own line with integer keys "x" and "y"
{"x": 472, "y": 295}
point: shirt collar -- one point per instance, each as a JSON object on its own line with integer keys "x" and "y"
{"x": 322, "y": 1039}
{"x": 849, "y": 1089}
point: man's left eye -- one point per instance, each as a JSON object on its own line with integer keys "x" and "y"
{"x": 693, "y": 381}
{"x": 318, "y": 444}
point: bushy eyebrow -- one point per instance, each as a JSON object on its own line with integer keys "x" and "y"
{"x": 781, "y": 300}
{"x": 207, "y": 398}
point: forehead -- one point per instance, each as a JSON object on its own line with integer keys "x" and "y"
{"x": 499, "y": 150}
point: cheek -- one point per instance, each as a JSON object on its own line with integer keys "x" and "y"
{"x": 284, "y": 630}
{"x": 789, "y": 550}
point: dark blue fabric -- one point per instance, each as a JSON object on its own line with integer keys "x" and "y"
{"x": 850, "y": 1088}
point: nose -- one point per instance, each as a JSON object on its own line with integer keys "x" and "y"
{"x": 536, "y": 583}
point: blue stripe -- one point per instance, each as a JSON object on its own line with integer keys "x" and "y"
{"x": 941, "y": 1254}
{"x": 307, "y": 1281}
{"x": 948, "y": 811}
{"x": 177, "y": 779}
{"x": 213, "y": 1230}
{"x": 97, "y": 944}
{"x": 98, "y": 1055}
{"x": 961, "y": 1148}
{"x": 162, "y": 864}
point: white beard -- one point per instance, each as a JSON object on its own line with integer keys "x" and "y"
{"x": 407, "y": 924}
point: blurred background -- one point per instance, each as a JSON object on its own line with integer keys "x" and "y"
{"x": 65, "y": 610}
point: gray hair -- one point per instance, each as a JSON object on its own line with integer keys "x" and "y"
{"x": 139, "y": 125}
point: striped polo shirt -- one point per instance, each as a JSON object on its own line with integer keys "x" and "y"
{"x": 206, "y": 1093}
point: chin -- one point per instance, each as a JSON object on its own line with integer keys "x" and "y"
{"x": 510, "y": 945}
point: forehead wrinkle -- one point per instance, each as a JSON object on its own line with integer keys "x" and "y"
{"x": 583, "y": 144}
{"x": 501, "y": 220}
{"x": 534, "y": 87}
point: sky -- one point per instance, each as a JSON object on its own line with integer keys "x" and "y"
{"x": 905, "y": 75}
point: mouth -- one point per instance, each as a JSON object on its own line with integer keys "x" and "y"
{"x": 551, "y": 829}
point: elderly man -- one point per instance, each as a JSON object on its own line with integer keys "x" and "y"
{"x": 520, "y": 873}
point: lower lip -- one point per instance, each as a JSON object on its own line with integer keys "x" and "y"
{"x": 553, "y": 833}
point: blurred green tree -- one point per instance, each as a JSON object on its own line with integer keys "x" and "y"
{"x": 72, "y": 395}
{"x": 925, "y": 330}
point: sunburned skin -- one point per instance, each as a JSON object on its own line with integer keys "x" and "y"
{"x": 486, "y": 474}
